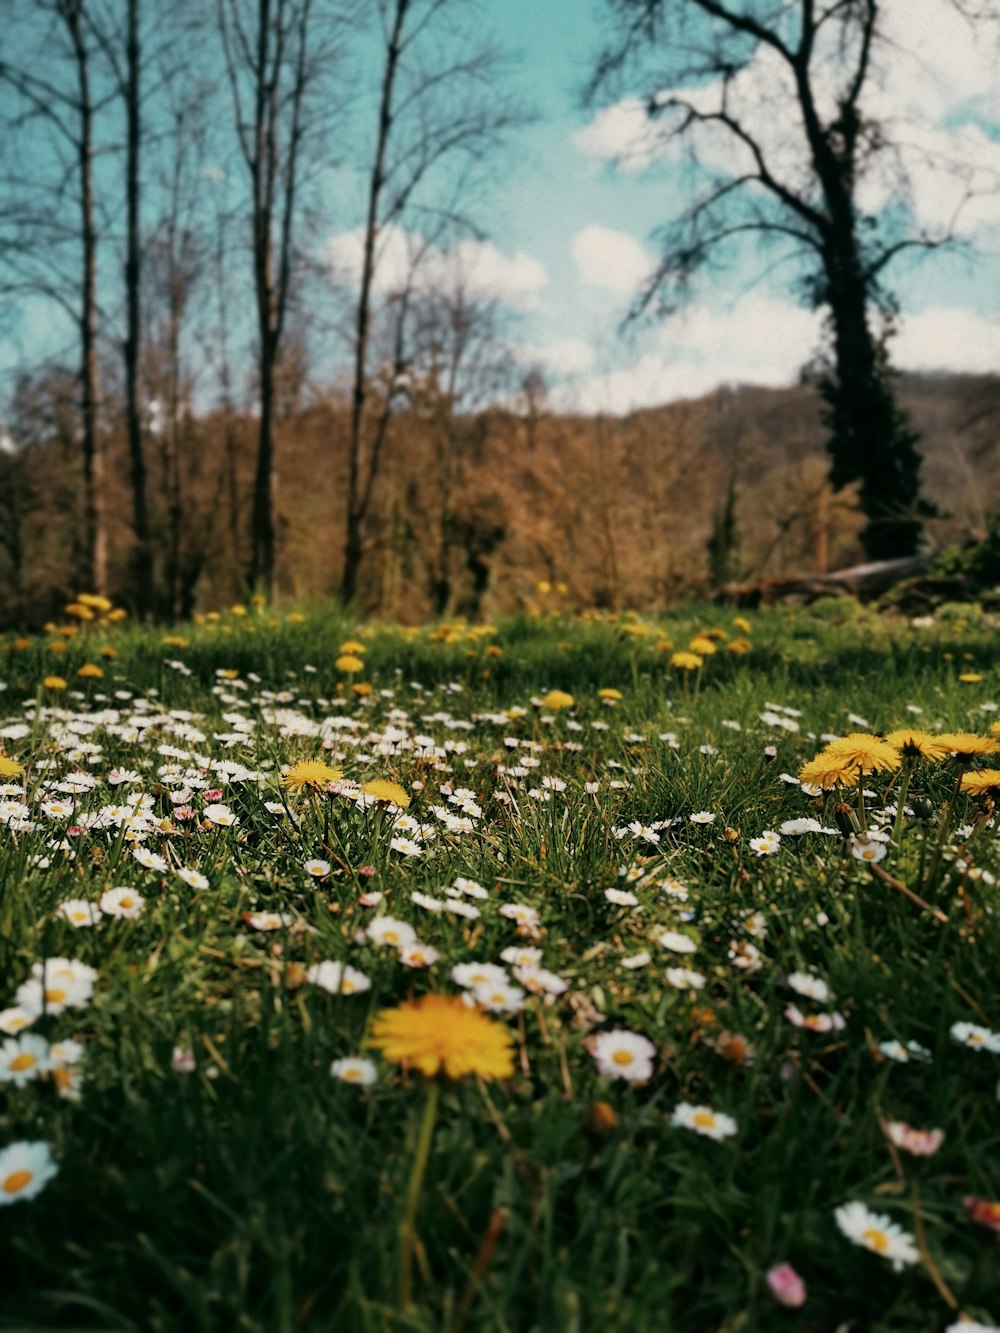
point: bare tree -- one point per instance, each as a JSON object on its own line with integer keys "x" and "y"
{"x": 276, "y": 52}
{"x": 439, "y": 112}
{"x": 774, "y": 101}
{"x": 49, "y": 71}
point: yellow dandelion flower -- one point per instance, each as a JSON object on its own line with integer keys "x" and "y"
{"x": 54, "y": 683}
{"x": 980, "y": 782}
{"x": 90, "y": 671}
{"x": 866, "y": 753}
{"x": 119, "y": 613}
{"x": 825, "y": 771}
{"x": 352, "y": 646}
{"x": 970, "y": 677}
{"x": 610, "y": 694}
{"x": 686, "y": 661}
{"x": 384, "y": 790}
{"x": 558, "y": 699}
{"x": 742, "y": 624}
{"x": 95, "y": 601}
{"x": 738, "y": 646}
{"x": 349, "y": 663}
{"x": 362, "y": 689}
{"x": 441, "y": 1033}
{"x": 965, "y": 745}
{"x": 174, "y": 641}
{"x": 702, "y": 645}
{"x": 9, "y": 768}
{"x": 108, "y": 651}
{"x": 665, "y": 646}
{"x": 714, "y": 633}
{"x": 913, "y": 743}
{"x": 310, "y": 773}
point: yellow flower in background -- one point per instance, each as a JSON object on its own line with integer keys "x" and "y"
{"x": 714, "y": 633}
{"x": 54, "y": 683}
{"x": 610, "y": 695}
{"x": 543, "y": 587}
{"x": 79, "y": 610}
{"x": 558, "y": 699}
{"x": 742, "y": 623}
{"x": 310, "y": 773}
{"x": 865, "y": 752}
{"x": 95, "y": 601}
{"x": 352, "y": 646}
{"x": 119, "y": 613}
{"x": 686, "y": 661}
{"x": 108, "y": 651}
{"x": 738, "y": 646}
{"x": 362, "y": 689}
{"x": 913, "y": 743}
{"x": 981, "y": 781}
{"x": 702, "y": 645}
{"x": 441, "y": 1033}
{"x": 349, "y": 664}
{"x": 970, "y": 677}
{"x": 175, "y": 641}
{"x": 90, "y": 671}
{"x": 9, "y": 768}
{"x": 384, "y": 790}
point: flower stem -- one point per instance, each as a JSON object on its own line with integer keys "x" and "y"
{"x": 407, "y": 1230}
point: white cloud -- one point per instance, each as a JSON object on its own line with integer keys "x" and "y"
{"x": 478, "y": 268}
{"x": 570, "y": 356}
{"x": 612, "y": 260}
{"x": 947, "y": 338}
{"x": 933, "y": 87}
{"x": 756, "y": 341}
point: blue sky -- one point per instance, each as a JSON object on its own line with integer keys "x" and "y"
{"x": 570, "y": 232}
{"x": 743, "y": 322}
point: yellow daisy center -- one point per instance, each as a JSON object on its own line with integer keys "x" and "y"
{"x": 23, "y": 1061}
{"x": 876, "y": 1239}
{"x": 704, "y": 1119}
{"x": 352, "y": 1075}
{"x": 54, "y": 995}
{"x": 17, "y": 1181}
{"x": 622, "y": 1057}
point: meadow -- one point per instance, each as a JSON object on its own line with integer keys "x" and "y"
{"x": 705, "y": 906}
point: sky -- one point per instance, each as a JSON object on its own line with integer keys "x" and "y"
{"x": 571, "y": 231}
{"x": 570, "y": 227}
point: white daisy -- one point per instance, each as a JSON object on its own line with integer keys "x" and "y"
{"x": 338, "y": 978}
{"x": 79, "y": 912}
{"x": 122, "y": 902}
{"x": 623, "y": 1054}
{"x": 354, "y": 1069}
{"x": 684, "y": 979}
{"x": 192, "y": 877}
{"x": 975, "y": 1037}
{"x": 703, "y": 1120}
{"x": 876, "y": 1232}
{"x": 23, "y": 1058}
{"x": 387, "y": 931}
{"x": 25, "y": 1169}
{"x": 677, "y": 942}
{"x": 814, "y": 988}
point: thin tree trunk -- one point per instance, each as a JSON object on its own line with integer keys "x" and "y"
{"x": 143, "y": 555}
{"x": 357, "y": 501}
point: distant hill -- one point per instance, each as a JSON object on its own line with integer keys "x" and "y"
{"x": 470, "y": 513}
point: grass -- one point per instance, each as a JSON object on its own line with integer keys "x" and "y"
{"x": 258, "y": 1192}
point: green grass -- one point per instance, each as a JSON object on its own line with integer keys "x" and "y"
{"x": 259, "y": 1193}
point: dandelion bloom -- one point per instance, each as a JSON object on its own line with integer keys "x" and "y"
{"x": 440, "y": 1032}
{"x": 966, "y": 745}
{"x": 558, "y": 699}
{"x": 310, "y": 773}
{"x": 349, "y": 664}
{"x": 864, "y": 752}
{"x": 913, "y": 743}
{"x": 391, "y": 793}
{"x": 981, "y": 781}
{"x": 685, "y": 661}
{"x": 9, "y": 768}
{"x": 826, "y": 770}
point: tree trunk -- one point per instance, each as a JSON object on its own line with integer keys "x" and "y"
{"x": 262, "y": 521}
{"x": 143, "y": 554}
{"x": 94, "y": 573}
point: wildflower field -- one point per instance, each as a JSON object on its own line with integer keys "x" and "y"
{"x": 563, "y": 974}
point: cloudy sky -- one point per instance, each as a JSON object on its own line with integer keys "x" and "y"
{"x": 571, "y": 232}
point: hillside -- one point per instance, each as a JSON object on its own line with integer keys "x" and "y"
{"x": 470, "y": 513}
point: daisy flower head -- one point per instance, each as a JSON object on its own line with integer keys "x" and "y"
{"x": 683, "y": 978}
{"x": 703, "y": 1120}
{"x": 194, "y": 878}
{"x": 676, "y": 942}
{"x": 623, "y": 1054}
{"x": 903, "y": 1052}
{"x": 23, "y": 1058}
{"x": 338, "y": 978}
{"x": 442, "y": 1034}
{"x": 767, "y": 844}
{"x": 418, "y": 955}
{"x": 387, "y": 931}
{"x": 877, "y": 1233}
{"x": 55, "y": 985}
{"x": 471, "y": 975}
{"x": 702, "y": 817}
{"x": 977, "y": 1038}
{"x": 814, "y": 988}
{"x": 25, "y": 1169}
{"x": 919, "y": 1142}
{"x": 121, "y": 902}
{"x": 499, "y": 998}
{"x": 869, "y": 850}
{"x": 355, "y": 1069}
{"x": 79, "y": 912}
{"x": 316, "y": 868}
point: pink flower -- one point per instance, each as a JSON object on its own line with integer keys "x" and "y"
{"x": 366, "y": 870}
{"x": 182, "y": 1061}
{"x": 919, "y": 1142}
{"x": 212, "y": 794}
{"x": 786, "y": 1286}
